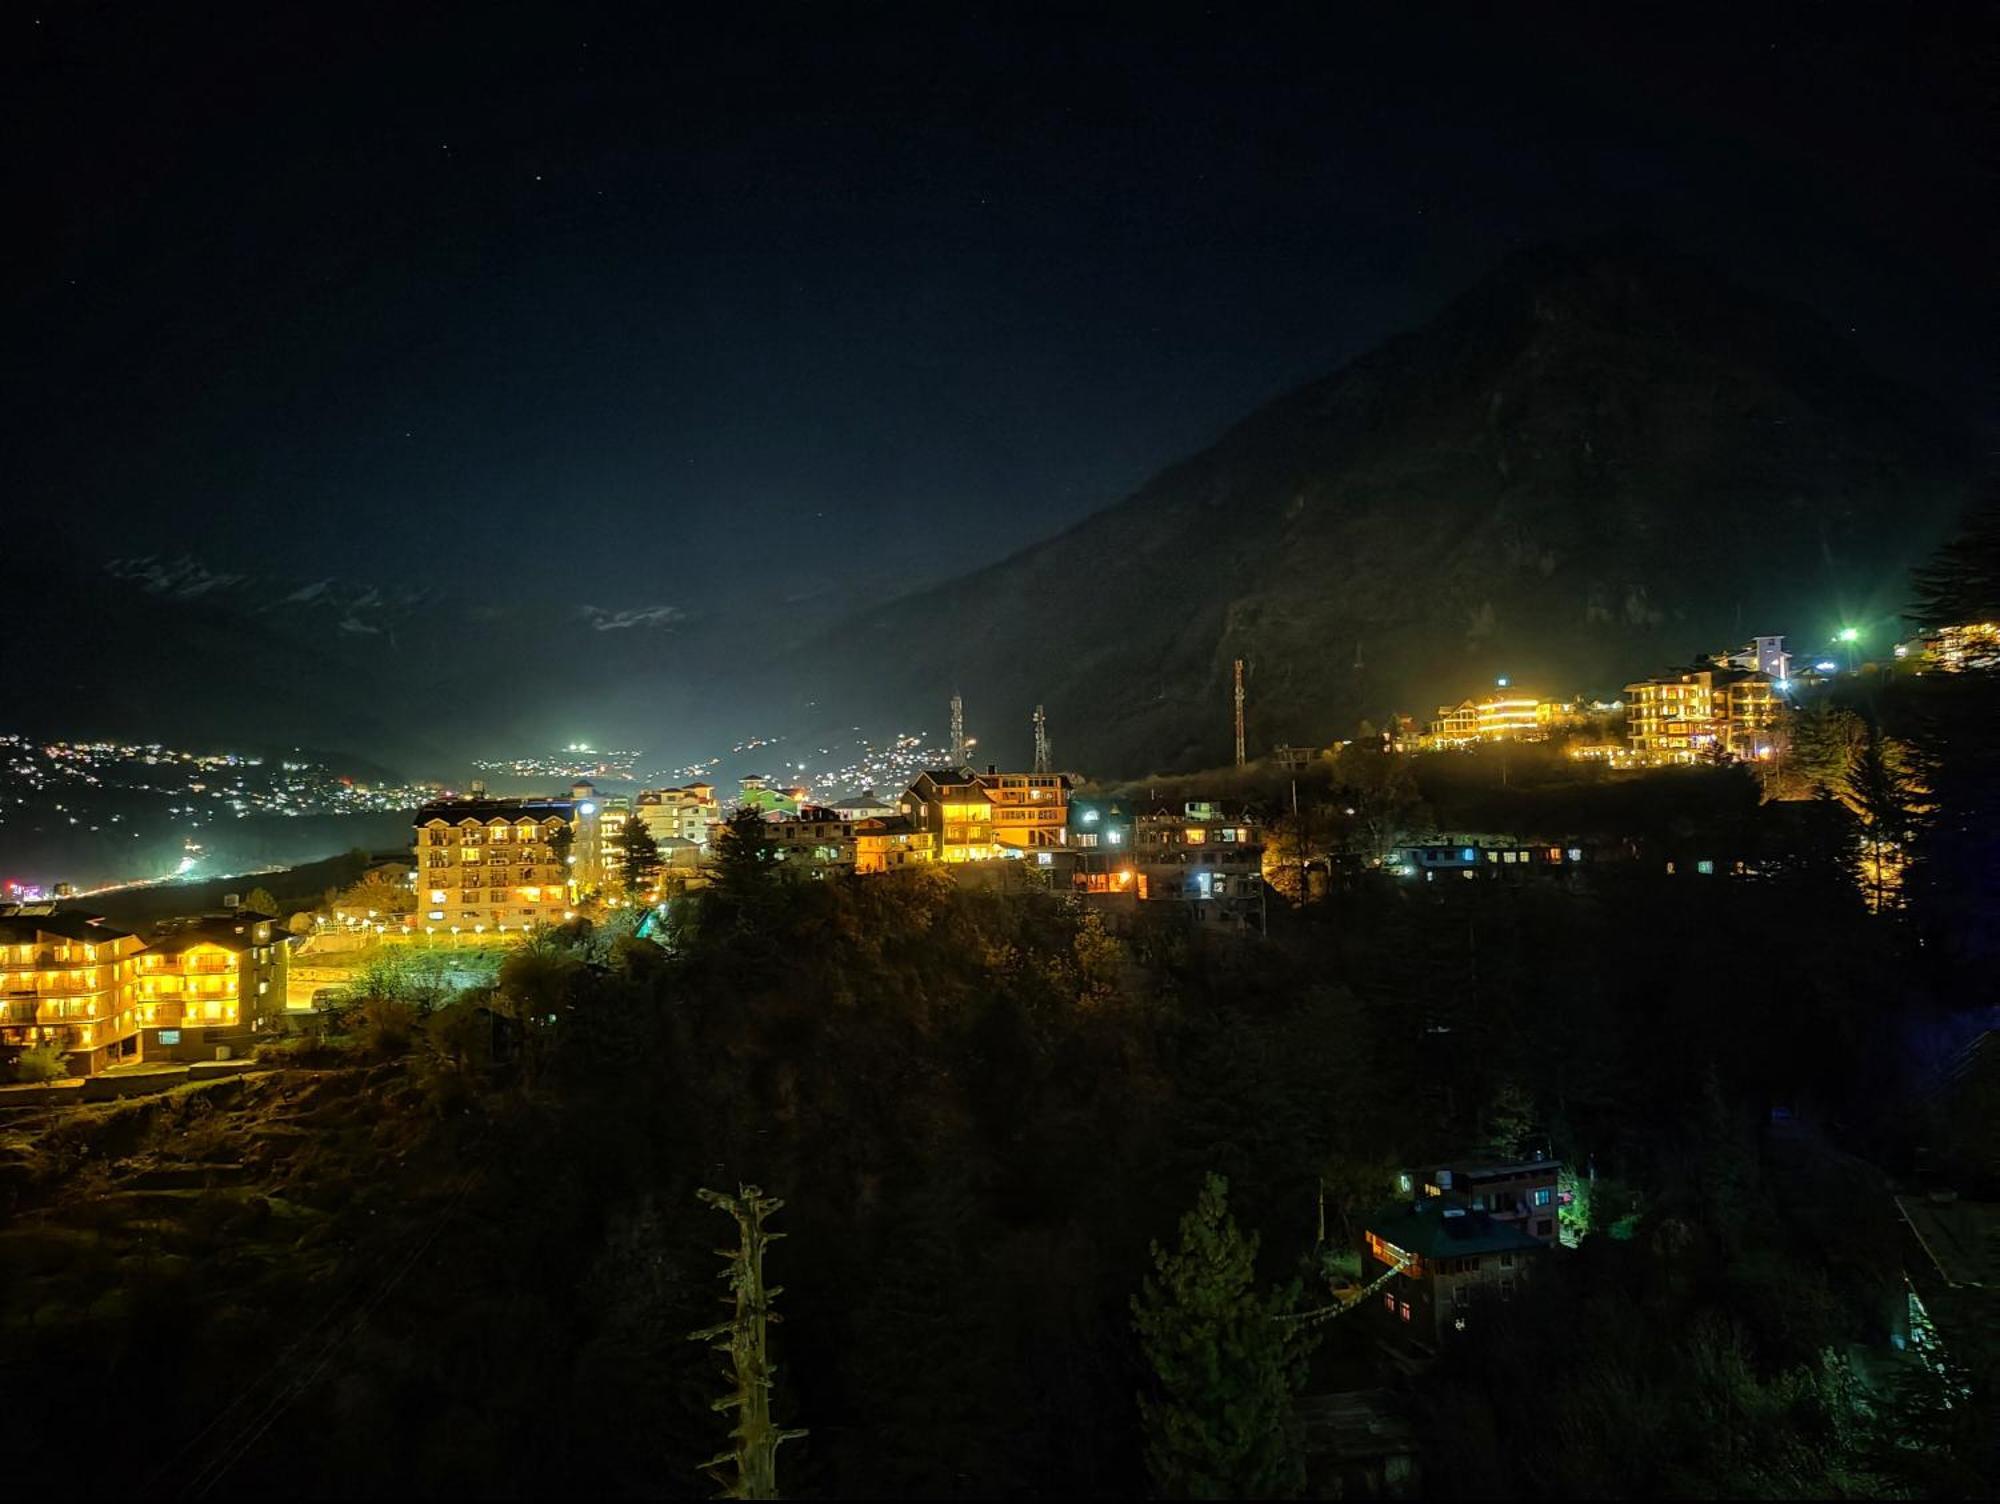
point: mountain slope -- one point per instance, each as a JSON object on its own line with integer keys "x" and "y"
{"x": 1597, "y": 462}
{"x": 170, "y": 649}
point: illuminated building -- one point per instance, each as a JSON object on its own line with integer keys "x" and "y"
{"x": 69, "y": 979}
{"x": 886, "y": 843}
{"x": 1506, "y": 716}
{"x": 1102, "y": 825}
{"x": 597, "y": 844}
{"x": 683, "y": 813}
{"x": 1029, "y": 809}
{"x": 484, "y": 863}
{"x": 1704, "y": 712}
{"x": 1479, "y": 856}
{"x": 1763, "y": 655}
{"x": 756, "y": 791}
{"x": 213, "y": 978}
{"x": 1523, "y": 1192}
{"x": 815, "y": 841}
{"x": 1974, "y": 645}
{"x": 867, "y": 805}
{"x": 1100, "y": 847}
{"x": 953, "y": 815}
{"x": 1201, "y": 856}
{"x": 1455, "y": 1240}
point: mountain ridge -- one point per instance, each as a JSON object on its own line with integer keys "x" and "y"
{"x": 1551, "y": 436}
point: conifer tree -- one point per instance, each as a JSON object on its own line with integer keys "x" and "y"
{"x": 749, "y": 1469}
{"x": 639, "y": 859}
{"x": 1217, "y": 1414}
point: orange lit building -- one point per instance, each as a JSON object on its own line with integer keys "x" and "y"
{"x": 1512, "y": 715}
{"x": 1704, "y": 712}
{"x": 69, "y": 979}
{"x": 211, "y": 979}
{"x": 952, "y": 815}
{"x": 491, "y": 864}
{"x": 1972, "y": 645}
{"x": 888, "y": 843}
{"x": 1029, "y": 809}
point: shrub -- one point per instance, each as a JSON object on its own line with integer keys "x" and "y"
{"x": 387, "y": 1025}
{"x": 41, "y": 1062}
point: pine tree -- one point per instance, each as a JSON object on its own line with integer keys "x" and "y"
{"x": 1962, "y": 581}
{"x": 640, "y": 859}
{"x": 1217, "y": 1415}
{"x": 749, "y": 1469}
{"x": 1957, "y": 731}
{"x": 1881, "y": 788}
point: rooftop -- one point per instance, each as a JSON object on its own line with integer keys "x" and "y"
{"x": 454, "y": 811}
{"x": 1962, "y": 1238}
{"x": 1431, "y": 1230}
{"x": 25, "y": 929}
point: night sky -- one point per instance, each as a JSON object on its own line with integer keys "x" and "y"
{"x": 872, "y": 296}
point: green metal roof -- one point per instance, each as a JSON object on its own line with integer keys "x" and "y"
{"x": 1428, "y": 1233}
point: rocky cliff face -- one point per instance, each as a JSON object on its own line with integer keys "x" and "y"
{"x": 1595, "y": 463}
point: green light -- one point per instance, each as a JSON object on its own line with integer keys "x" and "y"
{"x": 1850, "y": 634}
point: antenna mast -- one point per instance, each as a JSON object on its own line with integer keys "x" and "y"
{"x": 1239, "y": 713}
{"x": 1042, "y": 759}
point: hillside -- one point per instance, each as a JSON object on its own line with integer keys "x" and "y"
{"x": 417, "y": 679}
{"x": 1598, "y": 461}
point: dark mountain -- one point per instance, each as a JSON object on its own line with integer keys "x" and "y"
{"x": 418, "y": 680}
{"x": 1598, "y": 462}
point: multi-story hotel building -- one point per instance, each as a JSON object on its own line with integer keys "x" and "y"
{"x": 1029, "y": 809}
{"x": 683, "y": 814}
{"x": 108, "y": 996}
{"x": 1497, "y": 717}
{"x": 952, "y": 814}
{"x": 213, "y": 977}
{"x": 1972, "y": 645}
{"x": 492, "y": 863}
{"x": 68, "y": 979}
{"x": 1704, "y": 712}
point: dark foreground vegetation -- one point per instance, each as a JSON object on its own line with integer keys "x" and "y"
{"x": 1048, "y": 1180}
{"x": 459, "y": 1252}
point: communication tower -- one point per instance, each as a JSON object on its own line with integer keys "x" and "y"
{"x": 1239, "y": 713}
